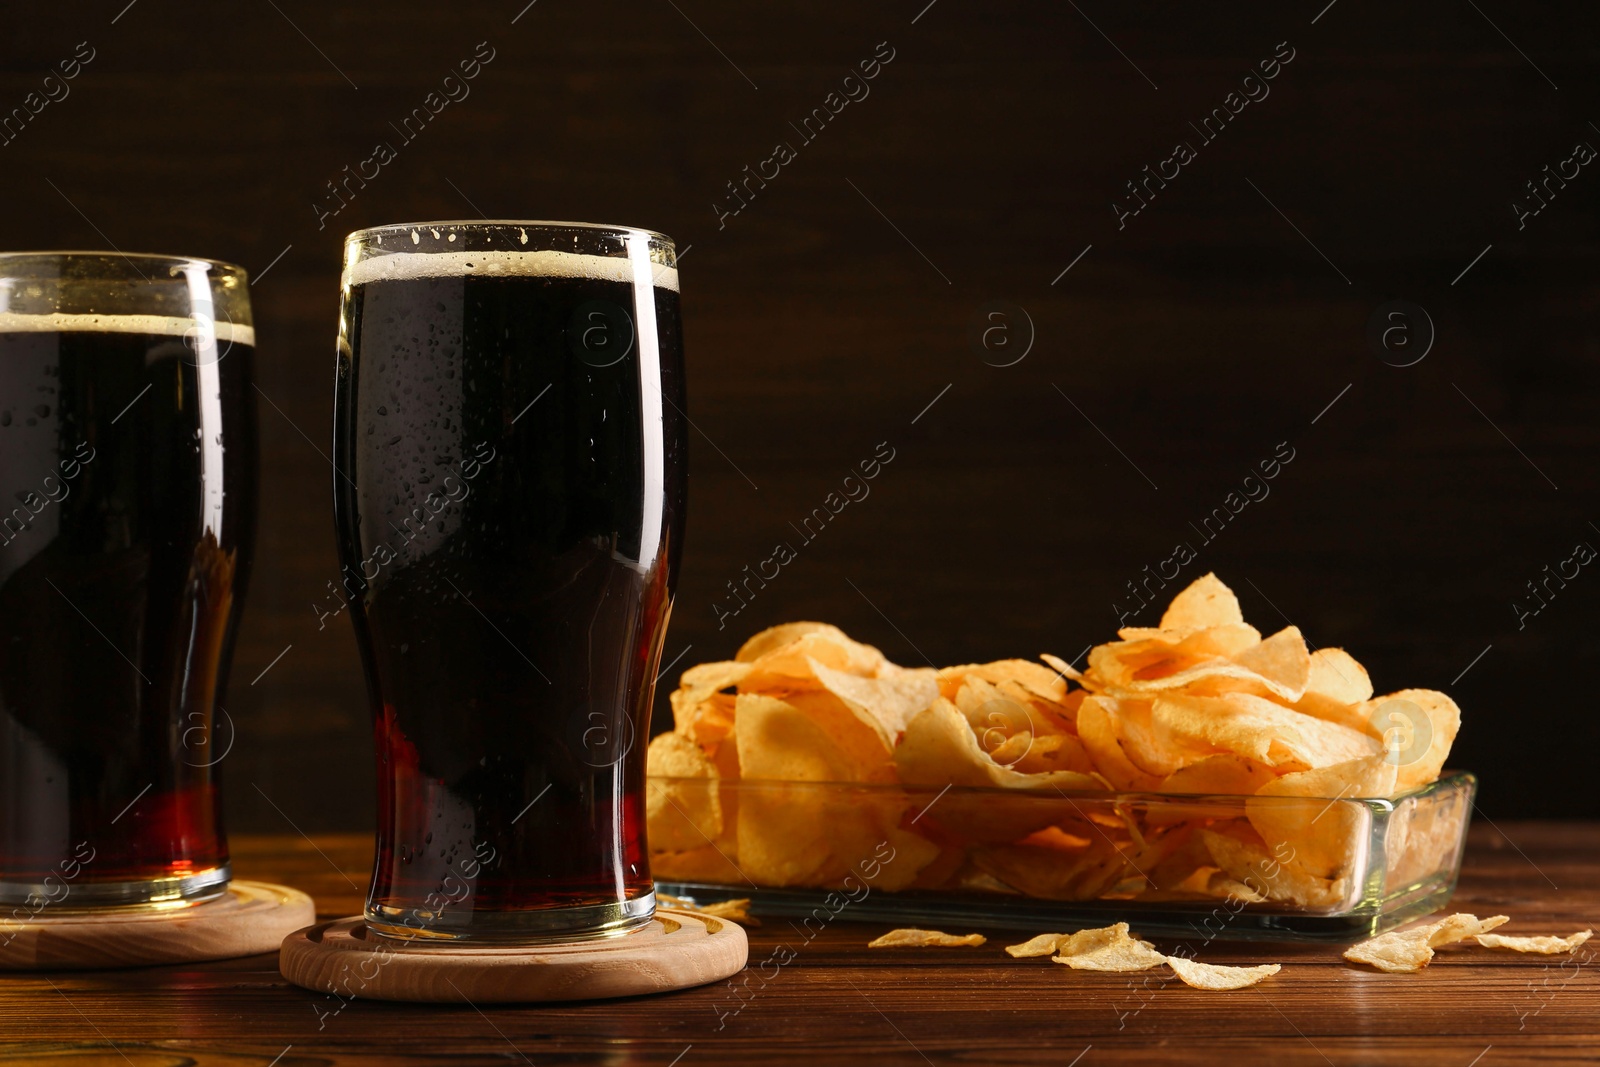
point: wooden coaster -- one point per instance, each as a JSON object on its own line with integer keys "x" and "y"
{"x": 250, "y": 918}
{"x": 678, "y": 949}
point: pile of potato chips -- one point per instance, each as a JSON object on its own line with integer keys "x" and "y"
{"x": 1263, "y": 733}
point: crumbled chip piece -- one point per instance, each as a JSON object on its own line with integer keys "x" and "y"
{"x": 737, "y": 910}
{"x": 1394, "y": 953}
{"x": 1122, "y": 956}
{"x": 1113, "y": 948}
{"x": 1410, "y": 950}
{"x": 1040, "y": 945}
{"x": 913, "y": 938}
{"x": 1096, "y": 938}
{"x": 1546, "y": 945}
{"x": 1459, "y": 927}
{"x": 1109, "y": 948}
{"x": 1216, "y": 976}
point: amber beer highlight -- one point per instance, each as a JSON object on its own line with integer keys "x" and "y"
{"x": 509, "y": 440}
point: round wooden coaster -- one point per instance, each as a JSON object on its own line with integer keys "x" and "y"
{"x": 678, "y": 949}
{"x": 250, "y": 918}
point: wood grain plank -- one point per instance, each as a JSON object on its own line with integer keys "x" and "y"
{"x": 837, "y": 1001}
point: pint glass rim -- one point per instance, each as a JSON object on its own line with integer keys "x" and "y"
{"x": 82, "y": 255}
{"x": 483, "y": 225}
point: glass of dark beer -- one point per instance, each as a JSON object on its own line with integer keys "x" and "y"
{"x": 509, "y": 436}
{"x": 127, "y": 517}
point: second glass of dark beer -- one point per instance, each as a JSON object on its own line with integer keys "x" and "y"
{"x": 509, "y": 492}
{"x": 128, "y": 475}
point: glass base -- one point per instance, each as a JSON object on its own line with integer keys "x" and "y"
{"x": 577, "y": 923}
{"x": 61, "y": 895}
{"x": 1205, "y": 921}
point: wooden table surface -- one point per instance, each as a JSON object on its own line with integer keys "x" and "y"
{"x": 837, "y": 1002}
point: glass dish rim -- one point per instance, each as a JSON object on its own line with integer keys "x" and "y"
{"x": 1446, "y": 779}
{"x": 486, "y": 224}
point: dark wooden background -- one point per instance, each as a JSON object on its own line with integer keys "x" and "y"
{"x": 826, "y": 316}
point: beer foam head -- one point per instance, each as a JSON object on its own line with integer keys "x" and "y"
{"x": 158, "y": 325}
{"x": 407, "y": 266}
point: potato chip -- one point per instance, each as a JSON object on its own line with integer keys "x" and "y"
{"x": 788, "y": 834}
{"x": 1226, "y": 640}
{"x": 1260, "y": 730}
{"x": 1392, "y": 952}
{"x": 1123, "y": 956}
{"x": 1108, "y": 949}
{"x": 1038, "y": 945}
{"x": 701, "y": 710}
{"x": 1148, "y": 745}
{"x": 1053, "y": 873}
{"x": 1282, "y": 659}
{"x": 1061, "y": 666}
{"x": 776, "y": 637}
{"x": 1222, "y": 887}
{"x": 1352, "y": 715}
{"x": 1424, "y": 837}
{"x": 1124, "y": 664}
{"x": 1011, "y": 751}
{"x": 1545, "y": 945}
{"x": 709, "y": 864}
{"x": 1410, "y": 950}
{"x": 737, "y": 910}
{"x": 914, "y": 938}
{"x": 1337, "y": 676}
{"x": 1222, "y": 676}
{"x": 1224, "y": 772}
{"x": 979, "y": 700}
{"x": 941, "y": 870}
{"x": 1018, "y": 729}
{"x": 823, "y": 836}
{"x": 1216, "y": 976}
{"x": 1206, "y": 602}
{"x": 989, "y": 817}
{"x": 1323, "y": 838}
{"x": 1459, "y": 927}
{"x": 702, "y": 680}
{"x": 1097, "y": 729}
{"x": 1186, "y": 864}
{"x": 792, "y": 834}
{"x": 1419, "y": 726}
{"x": 897, "y": 858}
{"x": 1044, "y": 683}
{"x": 1093, "y": 938}
{"x": 809, "y": 737}
{"x": 788, "y": 666}
{"x": 888, "y": 701}
{"x": 1245, "y": 857}
{"x": 1053, "y": 752}
{"x": 681, "y": 815}
{"x": 1146, "y": 646}
{"x": 939, "y": 748}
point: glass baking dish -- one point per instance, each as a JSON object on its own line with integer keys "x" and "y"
{"x": 1215, "y": 866}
